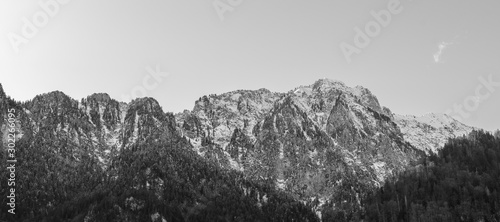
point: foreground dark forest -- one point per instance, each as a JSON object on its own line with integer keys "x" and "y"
{"x": 461, "y": 183}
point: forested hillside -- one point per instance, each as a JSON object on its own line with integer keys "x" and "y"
{"x": 67, "y": 169}
{"x": 461, "y": 183}
{"x": 318, "y": 152}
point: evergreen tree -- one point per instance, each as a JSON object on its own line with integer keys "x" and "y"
{"x": 458, "y": 184}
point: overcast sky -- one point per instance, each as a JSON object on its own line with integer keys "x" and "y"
{"x": 429, "y": 56}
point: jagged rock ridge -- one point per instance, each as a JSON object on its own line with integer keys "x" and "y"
{"x": 124, "y": 162}
{"x": 313, "y": 141}
{"x": 324, "y": 144}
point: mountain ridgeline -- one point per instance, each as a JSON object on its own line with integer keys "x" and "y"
{"x": 317, "y": 152}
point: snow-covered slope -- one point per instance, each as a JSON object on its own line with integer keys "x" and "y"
{"x": 314, "y": 141}
{"x": 214, "y": 120}
{"x": 218, "y": 116}
{"x": 430, "y": 132}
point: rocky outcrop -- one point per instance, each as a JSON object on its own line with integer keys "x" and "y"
{"x": 324, "y": 144}
{"x": 314, "y": 141}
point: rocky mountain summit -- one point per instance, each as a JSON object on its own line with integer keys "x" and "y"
{"x": 219, "y": 116}
{"x": 315, "y": 140}
{"x": 320, "y": 146}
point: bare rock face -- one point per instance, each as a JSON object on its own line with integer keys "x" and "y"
{"x": 216, "y": 119}
{"x": 133, "y": 162}
{"x": 316, "y": 142}
{"x": 341, "y": 125}
{"x": 325, "y": 144}
{"x": 97, "y": 126}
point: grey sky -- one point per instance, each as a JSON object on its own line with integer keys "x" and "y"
{"x": 429, "y": 57}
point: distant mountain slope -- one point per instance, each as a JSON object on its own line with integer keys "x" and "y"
{"x": 314, "y": 141}
{"x": 102, "y": 160}
{"x": 430, "y": 132}
{"x": 323, "y": 146}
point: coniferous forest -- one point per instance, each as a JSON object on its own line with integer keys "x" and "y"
{"x": 192, "y": 189}
{"x": 159, "y": 178}
{"x": 461, "y": 183}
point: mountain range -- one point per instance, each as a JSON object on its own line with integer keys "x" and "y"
{"x": 245, "y": 155}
